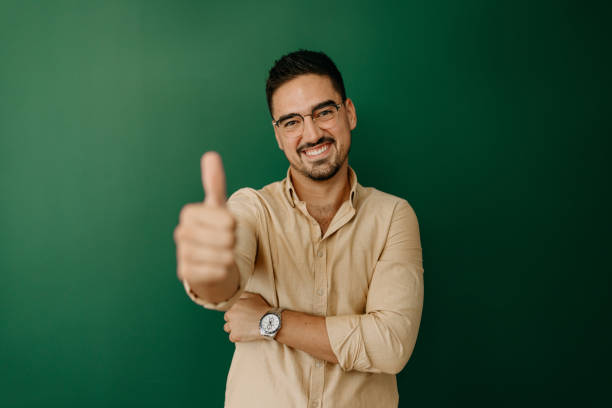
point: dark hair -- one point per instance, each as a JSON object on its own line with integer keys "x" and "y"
{"x": 302, "y": 62}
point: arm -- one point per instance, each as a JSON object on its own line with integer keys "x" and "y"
{"x": 298, "y": 330}
{"x": 382, "y": 339}
{"x": 307, "y": 333}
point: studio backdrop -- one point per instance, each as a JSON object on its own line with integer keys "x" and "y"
{"x": 491, "y": 118}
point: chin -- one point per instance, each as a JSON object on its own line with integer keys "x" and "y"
{"x": 320, "y": 172}
{"x": 321, "y": 175}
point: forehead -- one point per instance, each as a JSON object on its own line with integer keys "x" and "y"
{"x": 302, "y": 93}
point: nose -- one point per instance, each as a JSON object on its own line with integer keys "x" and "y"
{"x": 312, "y": 132}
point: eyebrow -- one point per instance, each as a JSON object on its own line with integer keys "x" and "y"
{"x": 314, "y": 108}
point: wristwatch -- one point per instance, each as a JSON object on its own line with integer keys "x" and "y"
{"x": 270, "y": 323}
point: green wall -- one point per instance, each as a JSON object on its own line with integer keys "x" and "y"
{"x": 491, "y": 118}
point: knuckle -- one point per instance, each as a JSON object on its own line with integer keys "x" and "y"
{"x": 185, "y": 212}
{"x": 190, "y": 212}
{"x": 185, "y": 272}
{"x": 183, "y": 252}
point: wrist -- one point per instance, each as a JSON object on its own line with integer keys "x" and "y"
{"x": 218, "y": 291}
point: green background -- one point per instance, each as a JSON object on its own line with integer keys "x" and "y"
{"x": 491, "y": 118}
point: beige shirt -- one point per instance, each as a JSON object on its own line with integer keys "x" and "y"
{"x": 364, "y": 274}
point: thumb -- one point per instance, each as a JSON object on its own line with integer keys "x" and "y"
{"x": 213, "y": 179}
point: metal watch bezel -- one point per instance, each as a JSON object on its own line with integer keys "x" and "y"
{"x": 271, "y": 334}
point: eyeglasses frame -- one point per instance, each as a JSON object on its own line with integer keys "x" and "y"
{"x": 332, "y": 103}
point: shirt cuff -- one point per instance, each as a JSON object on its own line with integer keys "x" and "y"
{"x": 347, "y": 343}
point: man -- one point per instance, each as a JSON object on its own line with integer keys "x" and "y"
{"x": 322, "y": 279}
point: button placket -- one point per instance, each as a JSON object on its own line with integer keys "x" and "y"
{"x": 320, "y": 282}
{"x": 317, "y": 379}
{"x": 317, "y": 383}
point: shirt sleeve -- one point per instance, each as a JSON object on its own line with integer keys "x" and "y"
{"x": 243, "y": 205}
{"x": 382, "y": 339}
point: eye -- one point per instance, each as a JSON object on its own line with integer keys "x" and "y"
{"x": 290, "y": 123}
{"x": 324, "y": 113}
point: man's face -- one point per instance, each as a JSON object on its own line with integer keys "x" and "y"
{"x": 316, "y": 153}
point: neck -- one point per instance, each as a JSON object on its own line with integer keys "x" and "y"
{"x": 330, "y": 193}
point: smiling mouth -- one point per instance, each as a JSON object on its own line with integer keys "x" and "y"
{"x": 317, "y": 150}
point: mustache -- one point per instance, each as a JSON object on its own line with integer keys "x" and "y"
{"x": 324, "y": 139}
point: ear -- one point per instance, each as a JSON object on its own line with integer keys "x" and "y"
{"x": 351, "y": 113}
{"x": 278, "y": 137}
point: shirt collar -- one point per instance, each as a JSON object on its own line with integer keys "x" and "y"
{"x": 292, "y": 197}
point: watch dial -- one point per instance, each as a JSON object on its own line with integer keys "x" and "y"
{"x": 270, "y": 323}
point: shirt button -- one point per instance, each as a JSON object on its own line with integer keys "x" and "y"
{"x": 320, "y": 292}
{"x": 315, "y": 403}
{"x": 320, "y": 254}
{"x": 319, "y": 363}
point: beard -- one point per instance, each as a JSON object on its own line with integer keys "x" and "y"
{"x": 323, "y": 169}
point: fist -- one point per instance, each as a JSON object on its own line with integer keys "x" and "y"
{"x": 205, "y": 234}
{"x": 242, "y": 320}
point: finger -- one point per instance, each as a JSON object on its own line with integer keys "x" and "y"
{"x": 218, "y": 238}
{"x": 201, "y": 273}
{"x": 226, "y": 328}
{"x": 246, "y": 295}
{"x": 225, "y": 317}
{"x": 195, "y": 254}
{"x": 213, "y": 179}
{"x": 207, "y": 216}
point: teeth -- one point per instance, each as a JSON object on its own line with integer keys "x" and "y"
{"x": 314, "y": 152}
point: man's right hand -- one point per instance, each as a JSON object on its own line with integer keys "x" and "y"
{"x": 205, "y": 236}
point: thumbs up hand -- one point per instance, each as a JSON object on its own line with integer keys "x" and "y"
{"x": 205, "y": 237}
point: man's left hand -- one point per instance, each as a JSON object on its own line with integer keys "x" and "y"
{"x": 242, "y": 319}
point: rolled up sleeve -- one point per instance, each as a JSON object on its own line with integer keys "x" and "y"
{"x": 243, "y": 205}
{"x": 382, "y": 339}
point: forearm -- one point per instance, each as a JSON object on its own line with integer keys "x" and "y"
{"x": 307, "y": 333}
{"x": 218, "y": 291}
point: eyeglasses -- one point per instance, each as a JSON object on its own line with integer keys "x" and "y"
{"x": 324, "y": 116}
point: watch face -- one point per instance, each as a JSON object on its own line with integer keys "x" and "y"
{"x": 270, "y": 323}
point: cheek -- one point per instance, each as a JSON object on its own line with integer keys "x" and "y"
{"x": 279, "y": 142}
{"x": 343, "y": 127}
{"x": 292, "y": 147}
